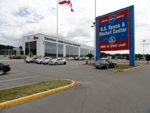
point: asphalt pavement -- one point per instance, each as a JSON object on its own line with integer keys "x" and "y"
{"x": 96, "y": 90}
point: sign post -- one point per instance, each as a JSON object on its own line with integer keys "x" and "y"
{"x": 115, "y": 31}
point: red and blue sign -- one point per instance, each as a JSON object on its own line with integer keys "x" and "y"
{"x": 114, "y": 31}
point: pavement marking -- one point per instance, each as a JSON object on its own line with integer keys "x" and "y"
{"x": 19, "y": 78}
{"x": 17, "y": 74}
{"x": 11, "y": 102}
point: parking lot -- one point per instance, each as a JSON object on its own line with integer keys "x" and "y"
{"x": 96, "y": 90}
{"x": 25, "y": 73}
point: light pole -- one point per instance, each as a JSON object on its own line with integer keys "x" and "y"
{"x": 69, "y": 51}
{"x": 143, "y": 48}
{"x": 94, "y": 25}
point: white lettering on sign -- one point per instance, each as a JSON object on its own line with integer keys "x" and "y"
{"x": 110, "y": 27}
{"x": 121, "y": 45}
{"x": 103, "y": 46}
{"x": 105, "y": 33}
{"x": 104, "y": 20}
{"x": 120, "y": 30}
{"x": 115, "y": 45}
{"x": 120, "y": 16}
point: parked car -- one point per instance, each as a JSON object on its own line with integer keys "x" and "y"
{"x": 39, "y": 60}
{"x": 46, "y": 60}
{"x": 77, "y": 58}
{"x": 83, "y": 58}
{"x": 58, "y": 61}
{"x": 4, "y": 68}
{"x": 70, "y": 58}
{"x": 28, "y": 60}
{"x": 31, "y": 60}
{"x": 104, "y": 63}
{"x": 34, "y": 59}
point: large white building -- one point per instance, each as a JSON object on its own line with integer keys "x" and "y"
{"x": 45, "y": 45}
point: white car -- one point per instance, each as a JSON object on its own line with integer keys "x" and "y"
{"x": 58, "y": 61}
{"x": 39, "y": 60}
{"x": 46, "y": 60}
{"x": 70, "y": 58}
{"x": 77, "y": 58}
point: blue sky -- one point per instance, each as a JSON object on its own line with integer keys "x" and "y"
{"x": 25, "y": 17}
{"x": 22, "y": 12}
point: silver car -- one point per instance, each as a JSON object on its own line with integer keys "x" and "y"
{"x": 46, "y": 60}
{"x": 58, "y": 61}
{"x": 39, "y": 60}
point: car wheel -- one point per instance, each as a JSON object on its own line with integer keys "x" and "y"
{"x": 2, "y": 72}
{"x": 107, "y": 67}
{"x": 55, "y": 63}
{"x": 64, "y": 63}
{"x": 96, "y": 67}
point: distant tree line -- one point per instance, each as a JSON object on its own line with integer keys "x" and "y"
{"x": 6, "y": 46}
{"x": 137, "y": 56}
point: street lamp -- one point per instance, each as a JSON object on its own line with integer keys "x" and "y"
{"x": 143, "y": 47}
{"x": 94, "y": 25}
{"x": 69, "y": 51}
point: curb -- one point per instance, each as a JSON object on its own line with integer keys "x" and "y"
{"x": 126, "y": 69}
{"x": 132, "y": 68}
{"x": 7, "y": 103}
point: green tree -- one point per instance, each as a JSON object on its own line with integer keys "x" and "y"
{"x": 31, "y": 54}
{"x": 67, "y": 56}
{"x": 20, "y": 47}
{"x": 90, "y": 56}
{"x": 46, "y": 54}
{"x": 5, "y": 55}
{"x": 147, "y": 58}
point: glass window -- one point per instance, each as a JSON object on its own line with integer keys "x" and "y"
{"x": 50, "y": 48}
{"x": 32, "y": 47}
{"x": 84, "y": 52}
{"x": 72, "y": 51}
{"x": 60, "y": 49}
{"x": 26, "y": 48}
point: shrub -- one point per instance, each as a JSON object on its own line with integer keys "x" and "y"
{"x": 16, "y": 57}
{"x": 31, "y": 54}
{"x": 5, "y": 55}
{"x": 23, "y": 57}
{"x": 67, "y": 56}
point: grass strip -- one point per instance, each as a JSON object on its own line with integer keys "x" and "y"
{"x": 26, "y": 90}
{"x": 121, "y": 67}
{"x": 87, "y": 64}
{"x": 147, "y": 63}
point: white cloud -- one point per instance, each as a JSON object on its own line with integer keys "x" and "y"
{"x": 74, "y": 26}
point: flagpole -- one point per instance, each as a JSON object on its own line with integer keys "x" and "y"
{"x": 57, "y": 32}
{"x": 95, "y": 33}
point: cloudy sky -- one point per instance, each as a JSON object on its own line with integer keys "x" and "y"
{"x": 20, "y": 18}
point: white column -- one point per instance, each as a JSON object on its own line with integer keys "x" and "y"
{"x": 64, "y": 50}
{"x": 79, "y": 52}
